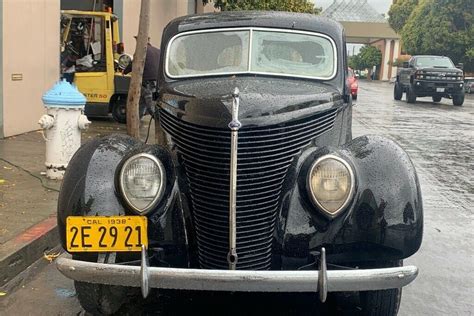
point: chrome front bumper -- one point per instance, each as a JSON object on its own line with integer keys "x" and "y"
{"x": 322, "y": 281}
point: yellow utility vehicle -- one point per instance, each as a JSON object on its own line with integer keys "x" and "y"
{"x": 92, "y": 57}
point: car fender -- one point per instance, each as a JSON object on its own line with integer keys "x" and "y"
{"x": 88, "y": 187}
{"x": 383, "y": 221}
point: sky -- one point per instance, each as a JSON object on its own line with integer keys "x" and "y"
{"x": 381, "y": 6}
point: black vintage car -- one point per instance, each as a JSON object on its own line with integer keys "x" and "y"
{"x": 256, "y": 184}
{"x": 430, "y": 76}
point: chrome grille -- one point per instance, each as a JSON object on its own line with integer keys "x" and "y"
{"x": 264, "y": 155}
{"x": 441, "y": 75}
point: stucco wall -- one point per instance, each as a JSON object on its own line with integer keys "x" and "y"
{"x": 162, "y": 12}
{"x": 30, "y": 51}
{"x": 380, "y": 45}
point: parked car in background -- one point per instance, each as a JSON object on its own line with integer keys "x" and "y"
{"x": 469, "y": 84}
{"x": 430, "y": 76}
{"x": 255, "y": 185}
{"x": 353, "y": 83}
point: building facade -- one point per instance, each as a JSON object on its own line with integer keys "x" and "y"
{"x": 29, "y": 55}
{"x": 161, "y": 12}
{"x": 364, "y": 25}
{"x": 30, "y": 48}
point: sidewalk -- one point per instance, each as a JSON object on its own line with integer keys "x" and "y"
{"x": 28, "y": 199}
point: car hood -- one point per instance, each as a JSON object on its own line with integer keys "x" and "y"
{"x": 263, "y": 100}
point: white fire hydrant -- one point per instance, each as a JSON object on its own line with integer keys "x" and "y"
{"x": 62, "y": 126}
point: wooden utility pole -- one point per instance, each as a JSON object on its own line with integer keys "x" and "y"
{"x": 133, "y": 100}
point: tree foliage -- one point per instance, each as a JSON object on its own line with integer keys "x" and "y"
{"x": 303, "y": 6}
{"x": 370, "y": 56}
{"x": 400, "y": 12}
{"x": 355, "y": 62}
{"x": 442, "y": 27}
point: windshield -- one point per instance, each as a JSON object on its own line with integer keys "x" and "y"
{"x": 434, "y": 62}
{"x": 285, "y": 53}
{"x": 83, "y": 43}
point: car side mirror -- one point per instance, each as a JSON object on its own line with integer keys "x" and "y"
{"x": 124, "y": 60}
{"x": 346, "y": 98}
{"x": 406, "y": 64}
{"x": 460, "y": 66}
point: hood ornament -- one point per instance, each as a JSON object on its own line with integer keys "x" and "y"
{"x": 235, "y": 123}
{"x": 234, "y": 126}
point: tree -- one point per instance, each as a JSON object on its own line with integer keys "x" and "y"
{"x": 303, "y": 6}
{"x": 355, "y": 62}
{"x": 370, "y": 56}
{"x": 442, "y": 27}
{"x": 133, "y": 99}
{"x": 400, "y": 12}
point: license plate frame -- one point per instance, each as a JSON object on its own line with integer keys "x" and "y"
{"x": 440, "y": 89}
{"x": 106, "y": 233}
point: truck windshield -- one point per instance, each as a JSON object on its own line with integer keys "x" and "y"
{"x": 434, "y": 62}
{"x": 276, "y": 52}
{"x": 83, "y": 47}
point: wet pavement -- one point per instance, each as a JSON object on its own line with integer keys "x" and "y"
{"x": 26, "y": 196}
{"x": 439, "y": 139}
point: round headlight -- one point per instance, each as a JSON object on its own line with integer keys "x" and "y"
{"x": 142, "y": 182}
{"x": 330, "y": 184}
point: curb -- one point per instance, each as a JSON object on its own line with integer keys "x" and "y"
{"x": 20, "y": 252}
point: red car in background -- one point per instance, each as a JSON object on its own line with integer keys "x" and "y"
{"x": 352, "y": 83}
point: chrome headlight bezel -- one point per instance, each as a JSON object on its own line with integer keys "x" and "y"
{"x": 161, "y": 189}
{"x": 312, "y": 196}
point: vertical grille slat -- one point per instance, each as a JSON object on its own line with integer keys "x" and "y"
{"x": 264, "y": 156}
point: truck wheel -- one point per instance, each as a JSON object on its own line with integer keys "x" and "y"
{"x": 458, "y": 99}
{"x": 411, "y": 96}
{"x": 397, "y": 91}
{"x": 381, "y": 302}
{"x": 436, "y": 99}
{"x": 119, "y": 109}
{"x": 99, "y": 299}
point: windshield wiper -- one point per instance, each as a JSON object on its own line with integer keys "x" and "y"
{"x": 440, "y": 67}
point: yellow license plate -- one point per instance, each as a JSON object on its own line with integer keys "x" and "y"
{"x": 106, "y": 234}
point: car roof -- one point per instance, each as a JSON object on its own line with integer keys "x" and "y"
{"x": 270, "y": 19}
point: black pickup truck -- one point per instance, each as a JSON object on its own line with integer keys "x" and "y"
{"x": 434, "y": 76}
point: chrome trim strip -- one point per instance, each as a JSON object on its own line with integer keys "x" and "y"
{"x": 234, "y": 126}
{"x": 351, "y": 191}
{"x": 249, "y": 62}
{"x": 238, "y": 280}
{"x": 251, "y": 29}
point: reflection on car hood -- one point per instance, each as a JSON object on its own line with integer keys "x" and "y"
{"x": 263, "y": 100}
